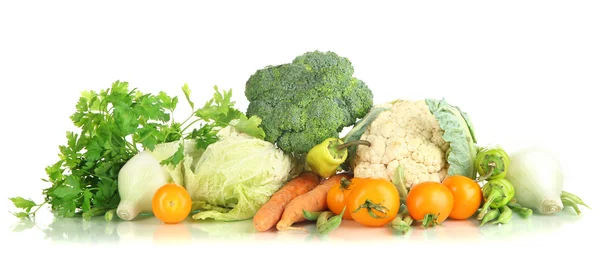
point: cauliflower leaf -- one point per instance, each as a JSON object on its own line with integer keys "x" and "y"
{"x": 459, "y": 132}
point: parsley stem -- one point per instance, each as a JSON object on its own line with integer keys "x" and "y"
{"x": 186, "y": 127}
{"x": 38, "y": 208}
{"x": 188, "y": 119}
{"x": 133, "y": 143}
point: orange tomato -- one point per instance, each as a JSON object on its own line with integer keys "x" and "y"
{"x": 467, "y": 196}
{"x": 374, "y": 202}
{"x": 171, "y": 203}
{"x": 429, "y": 199}
{"x": 337, "y": 196}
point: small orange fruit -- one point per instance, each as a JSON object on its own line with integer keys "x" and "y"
{"x": 171, "y": 203}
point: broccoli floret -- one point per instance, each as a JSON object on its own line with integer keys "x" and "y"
{"x": 308, "y": 100}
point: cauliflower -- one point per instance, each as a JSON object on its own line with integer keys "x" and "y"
{"x": 427, "y": 139}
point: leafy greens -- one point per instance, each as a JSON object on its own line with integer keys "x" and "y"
{"x": 114, "y": 125}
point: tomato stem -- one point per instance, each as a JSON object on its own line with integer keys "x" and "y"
{"x": 345, "y": 183}
{"x": 430, "y": 220}
{"x": 370, "y": 206}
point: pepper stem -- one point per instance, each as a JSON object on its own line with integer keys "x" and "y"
{"x": 492, "y": 166}
{"x": 429, "y": 220}
{"x": 370, "y": 206}
{"x": 574, "y": 198}
{"x": 354, "y": 142}
{"x": 495, "y": 194}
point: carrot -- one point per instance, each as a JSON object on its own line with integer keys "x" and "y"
{"x": 314, "y": 201}
{"x": 268, "y": 215}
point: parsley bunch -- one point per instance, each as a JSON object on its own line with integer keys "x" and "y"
{"x": 114, "y": 125}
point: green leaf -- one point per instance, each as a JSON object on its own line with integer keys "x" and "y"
{"x": 87, "y": 196}
{"x": 92, "y": 99}
{"x": 94, "y": 149}
{"x": 67, "y": 209}
{"x": 219, "y": 110}
{"x": 25, "y": 204}
{"x": 204, "y": 136}
{"x": 65, "y": 192}
{"x": 21, "y": 214}
{"x": 70, "y": 189}
{"x": 125, "y": 119}
{"x": 176, "y": 157}
{"x": 150, "y": 107}
{"x": 72, "y": 139}
{"x": 119, "y": 87}
{"x": 458, "y": 132}
{"x": 149, "y": 136}
{"x": 55, "y": 172}
{"x": 187, "y": 92}
{"x": 250, "y": 126}
{"x": 82, "y": 105}
{"x": 168, "y": 102}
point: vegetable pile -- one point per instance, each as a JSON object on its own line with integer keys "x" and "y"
{"x": 284, "y": 162}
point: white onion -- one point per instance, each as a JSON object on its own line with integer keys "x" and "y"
{"x": 538, "y": 179}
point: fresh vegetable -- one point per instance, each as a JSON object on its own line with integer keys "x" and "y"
{"x": 573, "y": 197}
{"x": 489, "y": 216}
{"x": 430, "y": 203}
{"x": 338, "y": 195}
{"x": 520, "y": 210}
{"x": 312, "y": 201}
{"x": 492, "y": 163}
{"x": 496, "y": 193}
{"x": 374, "y": 202}
{"x": 171, "y": 203}
{"x": 112, "y": 126}
{"x": 237, "y": 175}
{"x": 571, "y": 200}
{"x": 327, "y": 221}
{"x": 538, "y": 179}
{"x": 138, "y": 180}
{"x": 269, "y": 214}
{"x": 308, "y": 100}
{"x": 325, "y": 158}
{"x": 505, "y": 215}
{"x": 430, "y": 139}
{"x": 466, "y": 194}
{"x": 402, "y": 222}
{"x": 311, "y": 215}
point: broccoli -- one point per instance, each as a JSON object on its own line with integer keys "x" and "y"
{"x": 308, "y": 100}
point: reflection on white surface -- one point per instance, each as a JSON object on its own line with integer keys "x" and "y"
{"x": 149, "y": 229}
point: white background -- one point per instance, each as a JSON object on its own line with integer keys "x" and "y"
{"x": 526, "y": 72}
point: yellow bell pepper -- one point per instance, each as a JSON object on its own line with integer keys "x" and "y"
{"x": 325, "y": 158}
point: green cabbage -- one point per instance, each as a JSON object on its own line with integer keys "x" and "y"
{"x": 236, "y": 175}
{"x": 459, "y": 132}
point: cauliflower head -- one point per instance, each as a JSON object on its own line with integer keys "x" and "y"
{"x": 406, "y": 135}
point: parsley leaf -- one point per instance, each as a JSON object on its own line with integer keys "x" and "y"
{"x": 25, "y": 204}
{"x": 250, "y": 126}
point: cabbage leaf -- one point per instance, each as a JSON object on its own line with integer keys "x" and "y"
{"x": 236, "y": 175}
